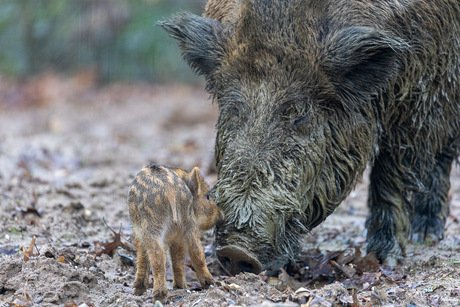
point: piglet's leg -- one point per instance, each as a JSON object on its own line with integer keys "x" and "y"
{"x": 157, "y": 258}
{"x": 142, "y": 269}
{"x": 177, "y": 252}
{"x": 147, "y": 273}
{"x": 198, "y": 260}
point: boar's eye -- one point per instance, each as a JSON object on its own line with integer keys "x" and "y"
{"x": 298, "y": 123}
{"x": 235, "y": 111}
{"x": 207, "y": 196}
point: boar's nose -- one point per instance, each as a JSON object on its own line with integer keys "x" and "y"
{"x": 235, "y": 260}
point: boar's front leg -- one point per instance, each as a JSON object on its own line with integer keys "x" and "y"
{"x": 198, "y": 259}
{"x": 388, "y": 222}
{"x": 430, "y": 206}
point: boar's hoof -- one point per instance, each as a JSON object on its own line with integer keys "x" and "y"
{"x": 392, "y": 260}
{"x": 235, "y": 260}
{"x": 427, "y": 230}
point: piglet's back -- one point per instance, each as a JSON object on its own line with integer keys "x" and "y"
{"x": 158, "y": 195}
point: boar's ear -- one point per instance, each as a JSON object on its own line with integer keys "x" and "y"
{"x": 199, "y": 38}
{"x": 361, "y": 60}
{"x": 194, "y": 181}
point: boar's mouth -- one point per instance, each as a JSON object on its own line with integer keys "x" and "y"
{"x": 240, "y": 252}
{"x": 266, "y": 241}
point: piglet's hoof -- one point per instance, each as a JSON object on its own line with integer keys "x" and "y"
{"x": 180, "y": 285}
{"x": 160, "y": 295}
{"x": 207, "y": 281}
{"x": 139, "y": 290}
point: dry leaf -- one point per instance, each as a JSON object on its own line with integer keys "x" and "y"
{"x": 61, "y": 259}
{"x": 109, "y": 248}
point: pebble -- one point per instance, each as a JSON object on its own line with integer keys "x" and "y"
{"x": 234, "y": 286}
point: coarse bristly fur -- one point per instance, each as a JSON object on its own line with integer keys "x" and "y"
{"x": 168, "y": 207}
{"x": 310, "y": 92}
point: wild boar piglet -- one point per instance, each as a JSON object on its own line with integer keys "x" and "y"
{"x": 168, "y": 207}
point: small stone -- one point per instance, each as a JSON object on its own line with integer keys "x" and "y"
{"x": 234, "y": 286}
{"x": 158, "y": 304}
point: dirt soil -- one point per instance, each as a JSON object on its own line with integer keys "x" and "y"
{"x": 68, "y": 153}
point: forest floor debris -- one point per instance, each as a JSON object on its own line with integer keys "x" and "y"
{"x": 65, "y": 168}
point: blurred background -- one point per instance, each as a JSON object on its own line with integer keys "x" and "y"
{"x": 111, "y": 40}
{"x": 90, "y": 92}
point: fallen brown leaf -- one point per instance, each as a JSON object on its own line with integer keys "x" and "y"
{"x": 61, "y": 259}
{"x": 109, "y": 248}
{"x": 367, "y": 263}
{"x": 348, "y": 266}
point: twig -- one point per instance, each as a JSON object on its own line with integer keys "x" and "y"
{"x": 107, "y": 225}
{"x": 26, "y": 295}
{"x": 29, "y": 252}
{"x": 194, "y": 304}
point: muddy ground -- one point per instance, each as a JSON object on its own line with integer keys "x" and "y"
{"x": 68, "y": 152}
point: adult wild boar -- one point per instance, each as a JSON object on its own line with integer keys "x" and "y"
{"x": 309, "y": 92}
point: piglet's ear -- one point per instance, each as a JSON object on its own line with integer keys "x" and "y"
{"x": 361, "y": 60}
{"x": 194, "y": 181}
{"x": 199, "y": 38}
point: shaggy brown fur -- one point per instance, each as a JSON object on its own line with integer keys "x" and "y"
{"x": 309, "y": 92}
{"x": 168, "y": 207}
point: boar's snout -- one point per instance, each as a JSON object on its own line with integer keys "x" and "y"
{"x": 236, "y": 259}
